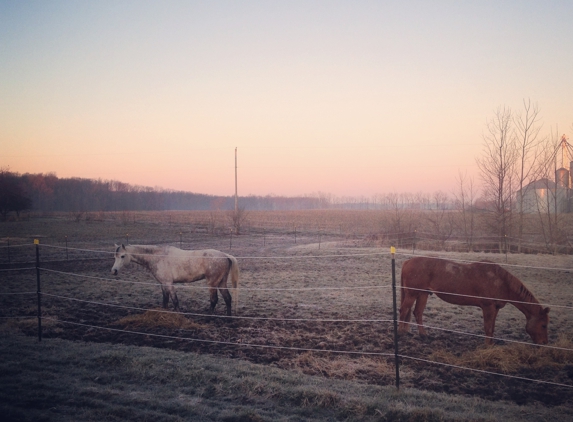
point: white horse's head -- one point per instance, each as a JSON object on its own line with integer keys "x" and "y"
{"x": 121, "y": 258}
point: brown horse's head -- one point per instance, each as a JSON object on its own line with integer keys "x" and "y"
{"x": 536, "y": 326}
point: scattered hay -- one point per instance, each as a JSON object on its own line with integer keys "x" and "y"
{"x": 10, "y": 326}
{"x": 339, "y": 368}
{"x": 28, "y": 324}
{"x": 512, "y": 357}
{"x": 157, "y": 318}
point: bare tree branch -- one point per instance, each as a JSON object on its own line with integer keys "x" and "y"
{"x": 497, "y": 168}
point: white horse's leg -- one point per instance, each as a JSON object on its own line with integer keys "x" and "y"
{"x": 224, "y": 290}
{"x": 227, "y": 297}
{"x": 165, "y": 296}
{"x": 214, "y": 298}
{"x": 169, "y": 292}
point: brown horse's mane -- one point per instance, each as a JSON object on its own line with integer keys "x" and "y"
{"x": 515, "y": 285}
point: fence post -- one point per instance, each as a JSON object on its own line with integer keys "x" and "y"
{"x": 505, "y": 248}
{"x": 396, "y": 360}
{"x": 231, "y": 238}
{"x": 37, "y": 244}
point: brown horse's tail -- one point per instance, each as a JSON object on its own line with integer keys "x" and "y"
{"x": 234, "y": 275}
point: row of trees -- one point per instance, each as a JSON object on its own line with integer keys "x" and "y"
{"x": 48, "y": 193}
{"x": 516, "y": 154}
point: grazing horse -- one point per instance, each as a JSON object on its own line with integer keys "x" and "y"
{"x": 482, "y": 284}
{"x": 170, "y": 265}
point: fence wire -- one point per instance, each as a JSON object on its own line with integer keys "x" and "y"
{"x": 282, "y": 319}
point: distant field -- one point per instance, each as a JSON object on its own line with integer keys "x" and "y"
{"x": 312, "y": 301}
{"x": 405, "y": 228}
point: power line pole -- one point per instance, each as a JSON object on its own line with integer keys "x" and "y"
{"x": 236, "y": 195}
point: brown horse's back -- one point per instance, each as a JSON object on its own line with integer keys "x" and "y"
{"x": 467, "y": 284}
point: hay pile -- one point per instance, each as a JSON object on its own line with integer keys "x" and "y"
{"x": 512, "y": 357}
{"x": 158, "y": 318}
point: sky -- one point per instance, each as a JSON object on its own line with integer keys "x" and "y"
{"x": 351, "y": 98}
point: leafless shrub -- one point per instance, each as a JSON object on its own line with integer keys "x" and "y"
{"x": 237, "y": 218}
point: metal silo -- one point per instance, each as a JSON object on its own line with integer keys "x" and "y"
{"x": 562, "y": 177}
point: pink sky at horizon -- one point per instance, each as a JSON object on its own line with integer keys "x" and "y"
{"x": 347, "y": 98}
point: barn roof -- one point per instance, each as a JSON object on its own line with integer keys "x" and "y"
{"x": 540, "y": 184}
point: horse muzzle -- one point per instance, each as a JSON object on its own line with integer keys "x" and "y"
{"x": 114, "y": 271}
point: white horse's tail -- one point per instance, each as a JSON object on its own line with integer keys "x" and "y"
{"x": 234, "y": 275}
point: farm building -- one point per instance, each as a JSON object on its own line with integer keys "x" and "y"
{"x": 546, "y": 196}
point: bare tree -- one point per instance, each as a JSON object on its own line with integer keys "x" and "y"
{"x": 546, "y": 195}
{"x": 398, "y": 211}
{"x": 237, "y": 218}
{"x": 12, "y": 194}
{"x": 497, "y": 166}
{"x": 465, "y": 203}
{"x": 527, "y": 133}
{"x": 403, "y": 216}
{"x": 440, "y": 218}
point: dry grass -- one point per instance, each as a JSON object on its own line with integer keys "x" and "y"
{"x": 29, "y": 324}
{"x": 158, "y": 318}
{"x": 339, "y": 367}
{"x": 511, "y": 358}
{"x": 69, "y": 381}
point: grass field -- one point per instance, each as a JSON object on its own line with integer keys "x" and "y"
{"x": 315, "y": 308}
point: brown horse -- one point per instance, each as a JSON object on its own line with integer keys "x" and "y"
{"x": 170, "y": 265}
{"x": 482, "y": 284}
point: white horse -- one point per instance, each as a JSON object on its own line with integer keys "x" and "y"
{"x": 170, "y": 265}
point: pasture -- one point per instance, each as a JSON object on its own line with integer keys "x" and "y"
{"x": 318, "y": 304}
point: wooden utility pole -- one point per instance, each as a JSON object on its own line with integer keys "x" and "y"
{"x": 236, "y": 197}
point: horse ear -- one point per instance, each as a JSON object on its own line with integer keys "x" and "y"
{"x": 116, "y": 245}
{"x": 123, "y": 246}
{"x": 545, "y": 311}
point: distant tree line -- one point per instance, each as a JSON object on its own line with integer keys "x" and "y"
{"x": 49, "y": 193}
{"x": 13, "y": 197}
